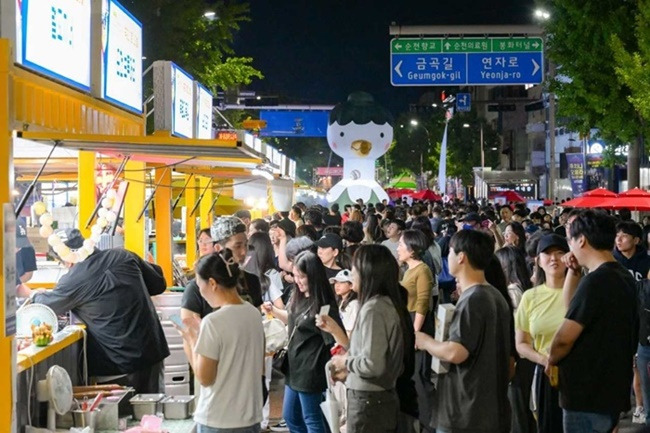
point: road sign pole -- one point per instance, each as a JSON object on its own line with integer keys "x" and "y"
{"x": 482, "y": 152}
{"x": 551, "y": 130}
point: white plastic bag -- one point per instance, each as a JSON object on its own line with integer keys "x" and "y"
{"x": 331, "y": 407}
{"x": 276, "y": 334}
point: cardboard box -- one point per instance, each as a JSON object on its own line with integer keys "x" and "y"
{"x": 443, "y": 323}
{"x": 40, "y": 244}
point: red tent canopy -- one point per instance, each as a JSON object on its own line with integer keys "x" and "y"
{"x": 599, "y": 197}
{"x": 510, "y": 195}
{"x": 599, "y": 192}
{"x": 633, "y": 199}
{"x": 426, "y": 194}
{"x": 590, "y": 202}
{"x": 395, "y": 193}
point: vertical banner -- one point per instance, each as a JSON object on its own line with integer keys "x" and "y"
{"x": 442, "y": 168}
{"x": 576, "y": 168}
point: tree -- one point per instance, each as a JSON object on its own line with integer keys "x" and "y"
{"x": 589, "y": 92}
{"x": 177, "y": 30}
{"x": 634, "y": 67}
{"x": 463, "y": 144}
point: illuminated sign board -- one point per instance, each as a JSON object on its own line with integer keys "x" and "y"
{"x": 182, "y": 103}
{"x": 53, "y": 38}
{"x": 294, "y": 123}
{"x": 203, "y": 112}
{"x": 227, "y": 135}
{"x": 174, "y": 104}
{"x": 121, "y": 57}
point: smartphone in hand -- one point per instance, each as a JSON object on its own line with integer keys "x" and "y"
{"x": 176, "y": 319}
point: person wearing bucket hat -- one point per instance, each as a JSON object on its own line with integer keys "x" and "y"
{"x": 227, "y": 232}
{"x": 106, "y": 291}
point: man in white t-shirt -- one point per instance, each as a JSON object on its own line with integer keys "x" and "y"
{"x": 393, "y": 232}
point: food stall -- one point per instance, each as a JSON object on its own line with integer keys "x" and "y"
{"x": 69, "y": 120}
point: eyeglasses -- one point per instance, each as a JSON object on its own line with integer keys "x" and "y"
{"x": 206, "y": 242}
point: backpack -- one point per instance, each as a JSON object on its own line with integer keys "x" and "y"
{"x": 445, "y": 276}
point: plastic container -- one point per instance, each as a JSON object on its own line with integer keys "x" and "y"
{"x": 146, "y": 404}
{"x": 178, "y": 407}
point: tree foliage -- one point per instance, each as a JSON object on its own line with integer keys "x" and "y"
{"x": 463, "y": 144}
{"x": 177, "y": 30}
{"x": 579, "y": 42}
{"x": 633, "y": 67}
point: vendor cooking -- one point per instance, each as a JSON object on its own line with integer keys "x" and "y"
{"x": 110, "y": 292}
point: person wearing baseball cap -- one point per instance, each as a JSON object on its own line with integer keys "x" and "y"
{"x": 540, "y": 313}
{"x": 25, "y": 256}
{"x": 346, "y": 297}
{"x": 330, "y": 246}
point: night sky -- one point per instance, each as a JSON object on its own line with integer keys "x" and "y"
{"x": 319, "y": 51}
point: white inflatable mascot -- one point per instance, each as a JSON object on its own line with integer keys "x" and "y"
{"x": 360, "y": 131}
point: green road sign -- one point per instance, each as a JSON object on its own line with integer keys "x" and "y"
{"x": 467, "y": 45}
{"x": 420, "y": 45}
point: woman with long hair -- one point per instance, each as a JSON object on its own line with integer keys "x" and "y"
{"x": 309, "y": 349}
{"x": 379, "y": 362}
{"x": 261, "y": 262}
{"x": 516, "y": 271}
{"x": 540, "y": 314}
{"x": 227, "y": 348}
{"x": 372, "y": 230}
{"x": 517, "y": 279}
{"x": 515, "y": 235}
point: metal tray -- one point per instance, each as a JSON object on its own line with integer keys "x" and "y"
{"x": 178, "y": 407}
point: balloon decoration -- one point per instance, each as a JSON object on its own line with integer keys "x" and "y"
{"x": 360, "y": 131}
{"x": 104, "y": 216}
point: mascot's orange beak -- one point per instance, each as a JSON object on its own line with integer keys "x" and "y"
{"x": 361, "y": 147}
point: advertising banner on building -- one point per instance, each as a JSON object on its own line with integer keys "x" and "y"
{"x": 576, "y": 168}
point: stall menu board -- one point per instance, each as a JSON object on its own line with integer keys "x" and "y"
{"x": 203, "y": 112}
{"x": 182, "y": 103}
{"x": 51, "y": 30}
{"x": 121, "y": 57}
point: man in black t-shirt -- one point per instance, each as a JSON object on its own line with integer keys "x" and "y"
{"x": 227, "y": 232}
{"x": 333, "y": 218}
{"x": 473, "y": 394}
{"x": 630, "y": 252}
{"x": 25, "y": 256}
{"x": 596, "y": 342}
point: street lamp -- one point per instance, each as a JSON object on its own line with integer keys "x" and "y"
{"x": 542, "y": 15}
{"x": 467, "y": 125}
{"x": 415, "y": 123}
{"x": 210, "y": 15}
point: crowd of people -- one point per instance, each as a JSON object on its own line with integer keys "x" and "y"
{"x": 549, "y": 316}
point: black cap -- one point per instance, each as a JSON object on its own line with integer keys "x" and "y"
{"x": 75, "y": 239}
{"x": 472, "y": 216}
{"x": 552, "y": 240}
{"x": 288, "y": 226}
{"x": 330, "y": 240}
{"x": 21, "y": 237}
